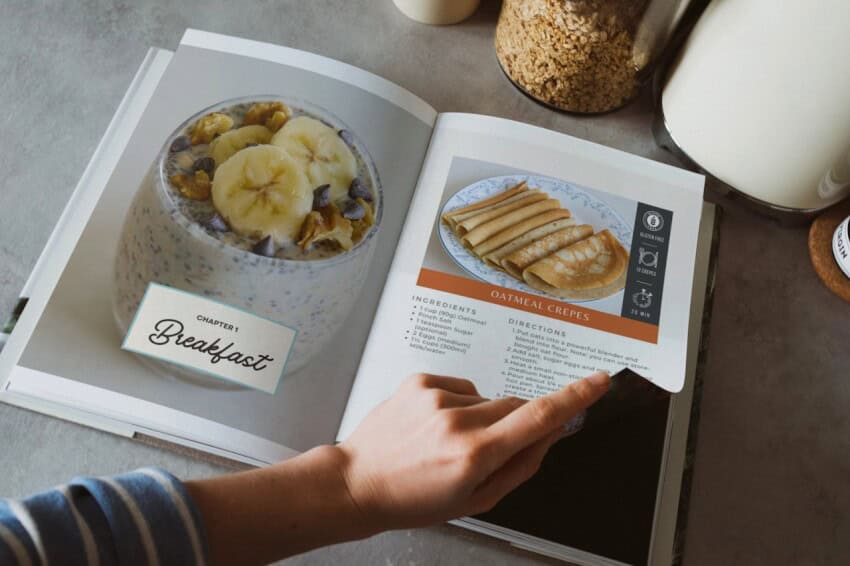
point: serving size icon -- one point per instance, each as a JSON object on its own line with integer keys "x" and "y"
{"x": 647, "y": 258}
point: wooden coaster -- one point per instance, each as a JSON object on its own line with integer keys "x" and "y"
{"x": 820, "y": 249}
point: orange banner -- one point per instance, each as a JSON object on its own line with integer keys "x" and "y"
{"x": 538, "y": 305}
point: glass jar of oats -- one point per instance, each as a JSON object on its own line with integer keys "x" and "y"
{"x": 586, "y": 56}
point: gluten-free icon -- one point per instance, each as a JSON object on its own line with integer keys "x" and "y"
{"x": 653, "y": 221}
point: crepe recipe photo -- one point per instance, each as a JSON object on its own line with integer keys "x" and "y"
{"x": 527, "y": 234}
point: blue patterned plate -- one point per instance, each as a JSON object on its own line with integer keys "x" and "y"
{"x": 585, "y": 208}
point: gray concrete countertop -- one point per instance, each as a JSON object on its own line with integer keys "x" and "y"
{"x": 772, "y": 481}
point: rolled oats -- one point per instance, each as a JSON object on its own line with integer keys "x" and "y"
{"x": 577, "y": 55}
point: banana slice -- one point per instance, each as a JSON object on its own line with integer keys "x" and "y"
{"x": 229, "y": 143}
{"x": 261, "y": 191}
{"x": 320, "y": 152}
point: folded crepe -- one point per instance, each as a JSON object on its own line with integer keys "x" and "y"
{"x": 507, "y": 221}
{"x": 465, "y": 223}
{"x": 518, "y": 229}
{"x": 589, "y": 269}
{"x": 516, "y": 262}
{"x": 494, "y": 258}
{"x": 449, "y": 217}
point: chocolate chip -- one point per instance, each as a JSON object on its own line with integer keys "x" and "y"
{"x": 346, "y": 137}
{"x": 321, "y": 197}
{"x": 264, "y": 247}
{"x": 353, "y": 210}
{"x": 358, "y": 190}
{"x": 179, "y": 144}
{"x": 206, "y": 164}
{"x": 217, "y": 224}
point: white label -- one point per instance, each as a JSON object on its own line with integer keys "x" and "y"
{"x": 841, "y": 247}
{"x": 214, "y": 338}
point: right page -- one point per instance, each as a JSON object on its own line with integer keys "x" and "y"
{"x": 529, "y": 259}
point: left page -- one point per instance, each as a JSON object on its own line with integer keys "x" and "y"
{"x": 244, "y": 235}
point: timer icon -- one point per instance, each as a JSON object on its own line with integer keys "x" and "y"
{"x": 642, "y": 299}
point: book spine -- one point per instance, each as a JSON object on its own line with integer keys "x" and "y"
{"x": 10, "y": 323}
{"x": 693, "y": 425}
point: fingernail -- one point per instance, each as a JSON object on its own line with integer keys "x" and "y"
{"x": 600, "y": 379}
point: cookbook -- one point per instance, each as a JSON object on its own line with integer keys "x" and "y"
{"x": 267, "y": 242}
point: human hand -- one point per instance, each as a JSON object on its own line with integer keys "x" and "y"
{"x": 437, "y": 450}
{"x": 434, "y": 451}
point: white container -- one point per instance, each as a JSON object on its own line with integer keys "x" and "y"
{"x": 760, "y": 99}
{"x": 437, "y": 12}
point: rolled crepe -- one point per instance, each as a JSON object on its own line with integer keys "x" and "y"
{"x": 518, "y": 229}
{"x": 516, "y": 262}
{"x": 465, "y": 226}
{"x": 494, "y": 258}
{"x": 484, "y": 203}
{"x": 589, "y": 269}
{"x": 502, "y": 205}
{"x": 500, "y": 223}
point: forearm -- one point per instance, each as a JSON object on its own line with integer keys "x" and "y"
{"x": 264, "y": 515}
{"x": 434, "y": 451}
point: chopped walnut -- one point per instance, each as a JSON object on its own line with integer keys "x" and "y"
{"x": 210, "y": 126}
{"x": 277, "y": 120}
{"x": 196, "y": 187}
{"x": 326, "y": 224}
{"x": 272, "y": 115}
{"x": 370, "y": 211}
{"x": 362, "y": 226}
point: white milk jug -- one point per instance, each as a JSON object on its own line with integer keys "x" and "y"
{"x": 760, "y": 99}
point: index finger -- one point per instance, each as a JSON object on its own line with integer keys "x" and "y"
{"x": 537, "y": 418}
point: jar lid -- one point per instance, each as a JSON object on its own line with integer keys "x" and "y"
{"x": 831, "y": 264}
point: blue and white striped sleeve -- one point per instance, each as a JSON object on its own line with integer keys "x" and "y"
{"x": 144, "y": 517}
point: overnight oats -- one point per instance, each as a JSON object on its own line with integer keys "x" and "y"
{"x": 267, "y": 204}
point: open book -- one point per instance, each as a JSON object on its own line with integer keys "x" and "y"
{"x": 267, "y": 242}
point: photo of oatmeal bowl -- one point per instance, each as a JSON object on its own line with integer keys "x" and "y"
{"x": 266, "y": 203}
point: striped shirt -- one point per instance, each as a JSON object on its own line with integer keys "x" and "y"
{"x": 142, "y": 517}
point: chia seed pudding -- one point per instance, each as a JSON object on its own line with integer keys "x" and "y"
{"x": 267, "y": 204}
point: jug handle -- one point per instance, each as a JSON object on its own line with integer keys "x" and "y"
{"x": 836, "y": 181}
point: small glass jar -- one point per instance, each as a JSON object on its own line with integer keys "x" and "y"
{"x": 585, "y": 56}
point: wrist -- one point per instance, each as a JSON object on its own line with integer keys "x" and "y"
{"x": 329, "y": 471}
{"x": 331, "y": 467}
{"x": 263, "y": 515}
